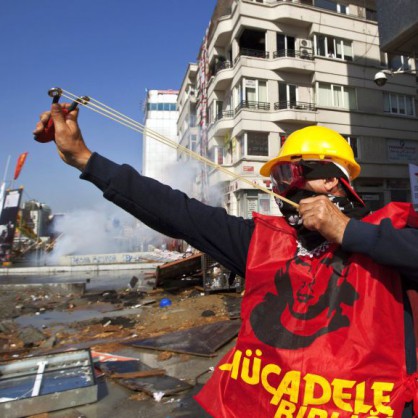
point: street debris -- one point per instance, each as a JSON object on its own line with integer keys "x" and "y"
{"x": 203, "y": 340}
{"x": 188, "y": 306}
{"x": 137, "y": 376}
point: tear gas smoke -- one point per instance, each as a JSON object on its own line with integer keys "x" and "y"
{"x": 108, "y": 229}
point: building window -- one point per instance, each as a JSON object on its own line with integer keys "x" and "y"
{"x": 287, "y": 95}
{"x": 217, "y": 155}
{"x": 252, "y": 94}
{"x": 254, "y": 201}
{"x": 331, "y": 5}
{"x": 257, "y": 144}
{"x": 193, "y": 143}
{"x": 354, "y": 144}
{"x": 285, "y": 46}
{"x": 399, "y": 104}
{"x": 328, "y": 46}
{"x": 333, "y": 95}
{"x": 253, "y": 144}
{"x": 396, "y": 62}
{"x": 162, "y": 106}
{"x": 264, "y": 204}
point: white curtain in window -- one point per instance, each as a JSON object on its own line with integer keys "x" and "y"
{"x": 339, "y": 48}
{"x": 324, "y": 95}
{"x": 338, "y": 96}
{"x": 350, "y": 98}
{"x": 409, "y": 106}
{"x": 348, "y": 50}
{"x": 250, "y": 94}
{"x": 262, "y": 91}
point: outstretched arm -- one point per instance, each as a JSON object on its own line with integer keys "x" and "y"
{"x": 210, "y": 229}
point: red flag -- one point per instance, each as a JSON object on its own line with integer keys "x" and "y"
{"x": 19, "y": 164}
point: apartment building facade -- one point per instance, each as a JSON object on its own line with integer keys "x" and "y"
{"x": 269, "y": 67}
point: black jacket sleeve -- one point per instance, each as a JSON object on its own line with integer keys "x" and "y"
{"x": 209, "y": 229}
{"x": 385, "y": 244}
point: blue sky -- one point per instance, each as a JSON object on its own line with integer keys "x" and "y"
{"x": 110, "y": 50}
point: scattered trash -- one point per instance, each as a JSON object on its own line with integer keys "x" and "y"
{"x": 164, "y": 302}
{"x": 133, "y": 282}
{"x": 118, "y": 321}
{"x": 158, "y": 396}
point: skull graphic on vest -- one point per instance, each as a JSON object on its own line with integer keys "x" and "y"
{"x": 310, "y": 300}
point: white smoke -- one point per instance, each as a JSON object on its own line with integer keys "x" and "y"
{"x": 182, "y": 175}
{"x": 91, "y": 231}
{"x": 108, "y": 229}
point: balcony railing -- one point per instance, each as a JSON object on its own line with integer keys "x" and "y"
{"x": 252, "y": 53}
{"x": 222, "y": 65}
{"x": 291, "y": 53}
{"x": 226, "y": 114}
{"x": 246, "y": 104}
{"x": 290, "y": 104}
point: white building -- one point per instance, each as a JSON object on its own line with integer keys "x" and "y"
{"x": 161, "y": 118}
{"x": 270, "y": 67}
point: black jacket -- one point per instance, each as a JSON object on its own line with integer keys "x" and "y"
{"x": 226, "y": 238}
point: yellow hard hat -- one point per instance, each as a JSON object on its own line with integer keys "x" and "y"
{"x": 316, "y": 143}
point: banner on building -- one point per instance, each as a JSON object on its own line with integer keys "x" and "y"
{"x": 413, "y": 177}
{"x": 19, "y": 164}
{"x": 8, "y": 218}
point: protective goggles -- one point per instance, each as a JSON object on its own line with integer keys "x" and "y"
{"x": 288, "y": 176}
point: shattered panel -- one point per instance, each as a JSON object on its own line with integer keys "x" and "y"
{"x": 46, "y": 383}
{"x": 204, "y": 340}
{"x": 152, "y": 384}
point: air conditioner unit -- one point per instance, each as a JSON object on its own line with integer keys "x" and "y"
{"x": 305, "y": 44}
{"x": 304, "y": 53}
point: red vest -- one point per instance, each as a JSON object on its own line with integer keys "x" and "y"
{"x": 322, "y": 334}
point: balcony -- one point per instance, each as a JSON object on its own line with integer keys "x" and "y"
{"x": 221, "y": 65}
{"x": 296, "y": 61}
{"x": 224, "y": 122}
{"x": 254, "y": 53}
{"x": 247, "y": 104}
{"x": 226, "y": 114}
{"x": 295, "y": 111}
{"x": 290, "y": 104}
{"x": 221, "y": 76}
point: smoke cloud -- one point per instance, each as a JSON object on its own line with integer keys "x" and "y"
{"x": 108, "y": 229}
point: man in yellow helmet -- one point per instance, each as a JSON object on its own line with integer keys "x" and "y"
{"x": 327, "y": 328}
